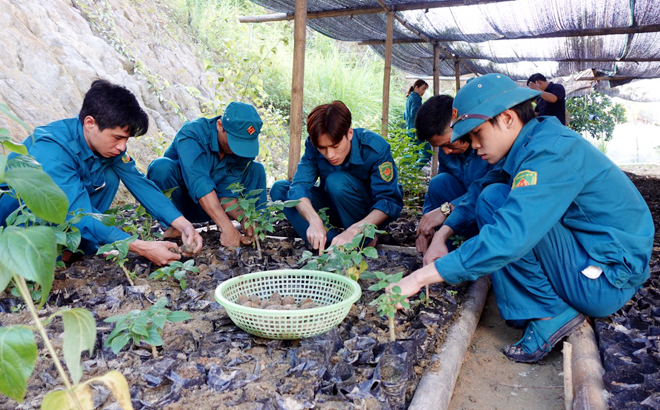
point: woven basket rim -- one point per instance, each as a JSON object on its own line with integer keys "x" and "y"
{"x": 231, "y": 306}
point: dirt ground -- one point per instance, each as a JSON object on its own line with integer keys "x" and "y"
{"x": 488, "y": 380}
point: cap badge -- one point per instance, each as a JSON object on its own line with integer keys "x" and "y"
{"x": 251, "y": 130}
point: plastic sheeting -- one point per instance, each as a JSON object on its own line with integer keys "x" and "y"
{"x": 487, "y": 37}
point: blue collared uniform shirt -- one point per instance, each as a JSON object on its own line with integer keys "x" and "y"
{"x": 575, "y": 185}
{"x": 466, "y": 167}
{"x": 369, "y": 151}
{"x": 197, "y": 149}
{"x": 62, "y": 150}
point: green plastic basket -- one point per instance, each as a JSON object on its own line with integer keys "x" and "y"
{"x": 334, "y": 293}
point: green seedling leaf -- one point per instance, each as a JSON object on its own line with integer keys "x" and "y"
{"x": 29, "y": 253}
{"x": 3, "y": 164}
{"x": 6, "y": 111}
{"x": 23, "y": 161}
{"x": 79, "y": 335}
{"x": 370, "y": 252}
{"x": 14, "y": 147}
{"x": 178, "y": 316}
{"x": 45, "y": 199}
{"x": 62, "y": 400}
{"x": 119, "y": 342}
{"x": 117, "y": 384}
{"x": 18, "y": 351}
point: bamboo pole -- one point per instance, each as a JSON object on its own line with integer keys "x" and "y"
{"x": 297, "y": 86}
{"x": 436, "y": 91}
{"x": 386, "y": 74}
{"x": 357, "y": 11}
{"x": 457, "y": 72}
{"x": 588, "y": 385}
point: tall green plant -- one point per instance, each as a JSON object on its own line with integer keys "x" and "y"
{"x": 594, "y": 115}
{"x": 406, "y": 154}
{"x": 28, "y": 253}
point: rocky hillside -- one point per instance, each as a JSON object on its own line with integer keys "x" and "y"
{"x": 54, "y": 49}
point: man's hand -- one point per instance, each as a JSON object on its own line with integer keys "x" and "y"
{"x": 534, "y": 86}
{"x": 412, "y": 283}
{"x": 316, "y": 235}
{"x": 230, "y": 237}
{"x": 345, "y": 237}
{"x": 437, "y": 249}
{"x": 192, "y": 238}
{"x": 156, "y": 251}
{"x": 430, "y": 221}
{"x": 422, "y": 243}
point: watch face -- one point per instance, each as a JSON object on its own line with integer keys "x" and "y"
{"x": 445, "y": 208}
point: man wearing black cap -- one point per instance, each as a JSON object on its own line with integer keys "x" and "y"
{"x": 204, "y": 159}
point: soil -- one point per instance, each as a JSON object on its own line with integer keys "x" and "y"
{"x": 207, "y": 362}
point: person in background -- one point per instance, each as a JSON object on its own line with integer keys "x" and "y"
{"x": 356, "y": 174}
{"x": 458, "y": 167}
{"x": 552, "y": 100}
{"x": 206, "y": 156}
{"x": 552, "y": 236}
{"x": 87, "y": 157}
{"x": 413, "y": 102}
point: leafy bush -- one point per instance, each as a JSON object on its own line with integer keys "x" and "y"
{"x": 594, "y": 115}
{"x": 388, "y": 301}
{"x": 406, "y": 154}
{"x": 142, "y": 326}
{"x": 348, "y": 259}
{"x": 176, "y": 270}
{"x": 260, "y": 217}
{"x": 28, "y": 251}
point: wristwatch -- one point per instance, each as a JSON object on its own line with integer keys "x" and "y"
{"x": 445, "y": 208}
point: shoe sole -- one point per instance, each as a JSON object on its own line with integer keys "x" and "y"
{"x": 568, "y": 328}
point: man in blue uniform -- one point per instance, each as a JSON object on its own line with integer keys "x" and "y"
{"x": 86, "y": 157}
{"x": 458, "y": 166}
{"x": 358, "y": 179}
{"x": 205, "y": 158}
{"x": 552, "y": 100}
{"x": 564, "y": 232}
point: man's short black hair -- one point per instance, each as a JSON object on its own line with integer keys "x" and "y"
{"x": 536, "y": 77}
{"x": 524, "y": 110}
{"x": 114, "y": 106}
{"x": 433, "y": 117}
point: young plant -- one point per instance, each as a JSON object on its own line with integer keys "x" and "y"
{"x": 323, "y": 214}
{"x": 142, "y": 326}
{"x": 260, "y": 217}
{"x": 348, "y": 259}
{"x": 388, "y": 301}
{"x": 28, "y": 251}
{"x": 406, "y": 155}
{"x": 176, "y": 270}
{"x": 117, "y": 252}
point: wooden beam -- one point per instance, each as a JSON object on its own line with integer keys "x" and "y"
{"x": 608, "y": 78}
{"x": 651, "y": 28}
{"x": 436, "y": 91}
{"x": 457, "y": 73}
{"x": 297, "y": 86}
{"x": 357, "y": 11}
{"x": 386, "y": 75}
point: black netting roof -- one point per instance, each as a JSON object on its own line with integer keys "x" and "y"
{"x": 506, "y": 37}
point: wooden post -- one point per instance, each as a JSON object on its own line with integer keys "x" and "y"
{"x": 457, "y": 71}
{"x": 436, "y": 91}
{"x": 386, "y": 76}
{"x": 297, "y": 85}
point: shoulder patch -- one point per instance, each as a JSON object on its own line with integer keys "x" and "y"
{"x": 125, "y": 158}
{"x": 386, "y": 170}
{"x": 524, "y": 178}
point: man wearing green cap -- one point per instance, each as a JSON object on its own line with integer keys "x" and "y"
{"x": 563, "y": 231}
{"x": 204, "y": 159}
